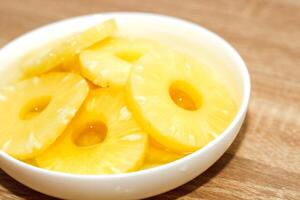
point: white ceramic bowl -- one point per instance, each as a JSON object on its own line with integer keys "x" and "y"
{"x": 210, "y": 48}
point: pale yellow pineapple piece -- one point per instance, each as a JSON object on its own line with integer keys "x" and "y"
{"x": 103, "y": 138}
{"x": 48, "y": 57}
{"x": 109, "y": 63}
{"x": 178, "y": 101}
{"x": 35, "y": 112}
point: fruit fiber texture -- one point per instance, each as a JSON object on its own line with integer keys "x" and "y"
{"x": 35, "y": 111}
{"x": 184, "y": 128}
{"x": 121, "y": 147}
{"x": 108, "y": 63}
{"x": 50, "y": 56}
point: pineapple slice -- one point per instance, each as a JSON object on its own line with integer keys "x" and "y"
{"x": 103, "y": 138}
{"x": 158, "y": 155}
{"x": 53, "y": 54}
{"x": 109, "y": 63}
{"x": 177, "y": 101}
{"x": 35, "y": 112}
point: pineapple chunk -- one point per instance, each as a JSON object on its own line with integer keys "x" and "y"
{"x": 35, "y": 112}
{"x": 180, "y": 103}
{"x": 48, "y": 57}
{"x": 103, "y": 138}
{"x": 109, "y": 63}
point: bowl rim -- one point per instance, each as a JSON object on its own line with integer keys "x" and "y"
{"x": 181, "y": 22}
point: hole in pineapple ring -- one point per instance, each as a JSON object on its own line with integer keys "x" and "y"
{"x": 185, "y": 96}
{"x": 91, "y": 134}
{"x": 34, "y": 107}
{"x": 129, "y": 56}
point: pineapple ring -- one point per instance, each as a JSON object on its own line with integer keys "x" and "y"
{"x": 186, "y": 125}
{"x": 34, "y": 112}
{"x": 110, "y": 62}
{"x": 46, "y": 58}
{"x": 116, "y": 145}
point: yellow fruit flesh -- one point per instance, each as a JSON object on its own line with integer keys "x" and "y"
{"x": 158, "y": 155}
{"x": 178, "y": 101}
{"x": 72, "y": 65}
{"x": 109, "y": 63}
{"x": 34, "y": 112}
{"x": 103, "y": 138}
{"x": 48, "y": 57}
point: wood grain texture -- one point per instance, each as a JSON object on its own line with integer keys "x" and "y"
{"x": 264, "y": 160}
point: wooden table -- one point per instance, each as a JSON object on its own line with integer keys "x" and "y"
{"x": 264, "y": 160}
